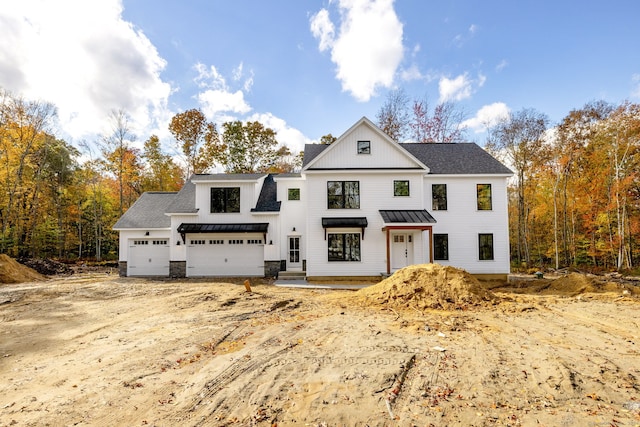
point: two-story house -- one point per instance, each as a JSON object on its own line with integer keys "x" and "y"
{"x": 363, "y": 206}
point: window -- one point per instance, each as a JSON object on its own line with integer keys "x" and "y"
{"x": 216, "y": 242}
{"x": 400, "y": 188}
{"x": 225, "y": 199}
{"x": 439, "y": 197}
{"x": 254, "y": 241}
{"x": 140, "y": 242}
{"x": 364, "y": 147}
{"x": 485, "y": 247}
{"x": 343, "y": 194}
{"x": 236, "y": 242}
{"x": 294, "y": 194}
{"x": 441, "y": 247}
{"x": 344, "y": 247}
{"x": 160, "y": 242}
{"x": 197, "y": 242}
{"x": 484, "y": 197}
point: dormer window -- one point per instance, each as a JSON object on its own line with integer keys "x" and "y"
{"x": 364, "y": 147}
{"x": 225, "y": 199}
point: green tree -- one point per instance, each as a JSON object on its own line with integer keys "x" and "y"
{"x": 248, "y": 147}
{"x": 198, "y": 140}
{"x": 161, "y": 172}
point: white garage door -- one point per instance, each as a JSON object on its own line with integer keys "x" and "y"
{"x": 148, "y": 257}
{"x": 240, "y": 254}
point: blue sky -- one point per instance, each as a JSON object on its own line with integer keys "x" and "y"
{"x": 309, "y": 68}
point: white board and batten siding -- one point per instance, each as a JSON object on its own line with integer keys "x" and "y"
{"x": 463, "y": 222}
{"x": 383, "y": 153}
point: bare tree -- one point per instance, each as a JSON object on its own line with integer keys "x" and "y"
{"x": 393, "y": 116}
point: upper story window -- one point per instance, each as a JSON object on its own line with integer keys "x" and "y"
{"x": 484, "y": 197}
{"x": 225, "y": 199}
{"x": 293, "y": 194}
{"x": 364, "y": 147}
{"x": 343, "y": 194}
{"x": 401, "y": 188}
{"x": 439, "y": 197}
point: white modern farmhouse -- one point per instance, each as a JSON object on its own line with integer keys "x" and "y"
{"x": 363, "y": 206}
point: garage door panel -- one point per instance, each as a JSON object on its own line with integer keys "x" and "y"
{"x": 148, "y": 257}
{"x": 225, "y": 255}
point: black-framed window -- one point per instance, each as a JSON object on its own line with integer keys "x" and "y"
{"x": 364, "y": 147}
{"x": 293, "y": 194}
{"x": 439, "y": 197}
{"x": 225, "y": 199}
{"x": 441, "y": 247}
{"x": 485, "y": 247}
{"x": 343, "y": 194}
{"x": 343, "y": 246}
{"x": 484, "y": 197}
{"x": 401, "y": 188}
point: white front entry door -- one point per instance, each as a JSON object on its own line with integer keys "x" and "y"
{"x": 294, "y": 262}
{"x": 401, "y": 251}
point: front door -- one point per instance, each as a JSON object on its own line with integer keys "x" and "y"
{"x": 294, "y": 253}
{"x": 401, "y": 251}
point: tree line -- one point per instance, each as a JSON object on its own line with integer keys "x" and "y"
{"x": 61, "y": 201}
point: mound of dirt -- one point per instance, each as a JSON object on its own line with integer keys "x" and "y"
{"x": 426, "y": 286}
{"x": 11, "y": 271}
{"x": 46, "y": 266}
{"x": 576, "y": 283}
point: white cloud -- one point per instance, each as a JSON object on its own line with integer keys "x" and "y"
{"x": 635, "y": 91}
{"x": 460, "y": 87}
{"x": 286, "y": 135}
{"x": 84, "y": 58}
{"x": 218, "y": 101}
{"x": 502, "y": 65}
{"x": 487, "y": 116}
{"x": 323, "y": 29}
{"x": 368, "y": 47}
{"x": 455, "y": 89}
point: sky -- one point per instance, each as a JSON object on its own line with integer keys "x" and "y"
{"x": 314, "y": 67}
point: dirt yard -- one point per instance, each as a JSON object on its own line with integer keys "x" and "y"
{"x": 100, "y": 350}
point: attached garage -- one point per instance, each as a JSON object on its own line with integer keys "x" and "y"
{"x": 224, "y": 249}
{"x": 148, "y": 257}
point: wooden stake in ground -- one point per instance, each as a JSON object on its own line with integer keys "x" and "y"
{"x": 247, "y": 285}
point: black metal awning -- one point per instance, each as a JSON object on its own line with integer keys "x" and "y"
{"x": 405, "y": 217}
{"x": 248, "y": 227}
{"x": 344, "y": 222}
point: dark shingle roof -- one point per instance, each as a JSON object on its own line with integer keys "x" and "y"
{"x": 441, "y": 158}
{"x": 267, "y": 201}
{"x": 226, "y": 176}
{"x": 147, "y": 212}
{"x": 185, "y": 200}
{"x": 456, "y": 158}
{"x": 311, "y": 151}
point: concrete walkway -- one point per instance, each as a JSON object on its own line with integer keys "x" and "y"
{"x": 307, "y": 285}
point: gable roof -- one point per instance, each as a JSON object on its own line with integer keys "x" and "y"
{"x": 456, "y": 158}
{"x": 316, "y": 152}
{"x": 147, "y": 212}
{"x": 441, "y": 158}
